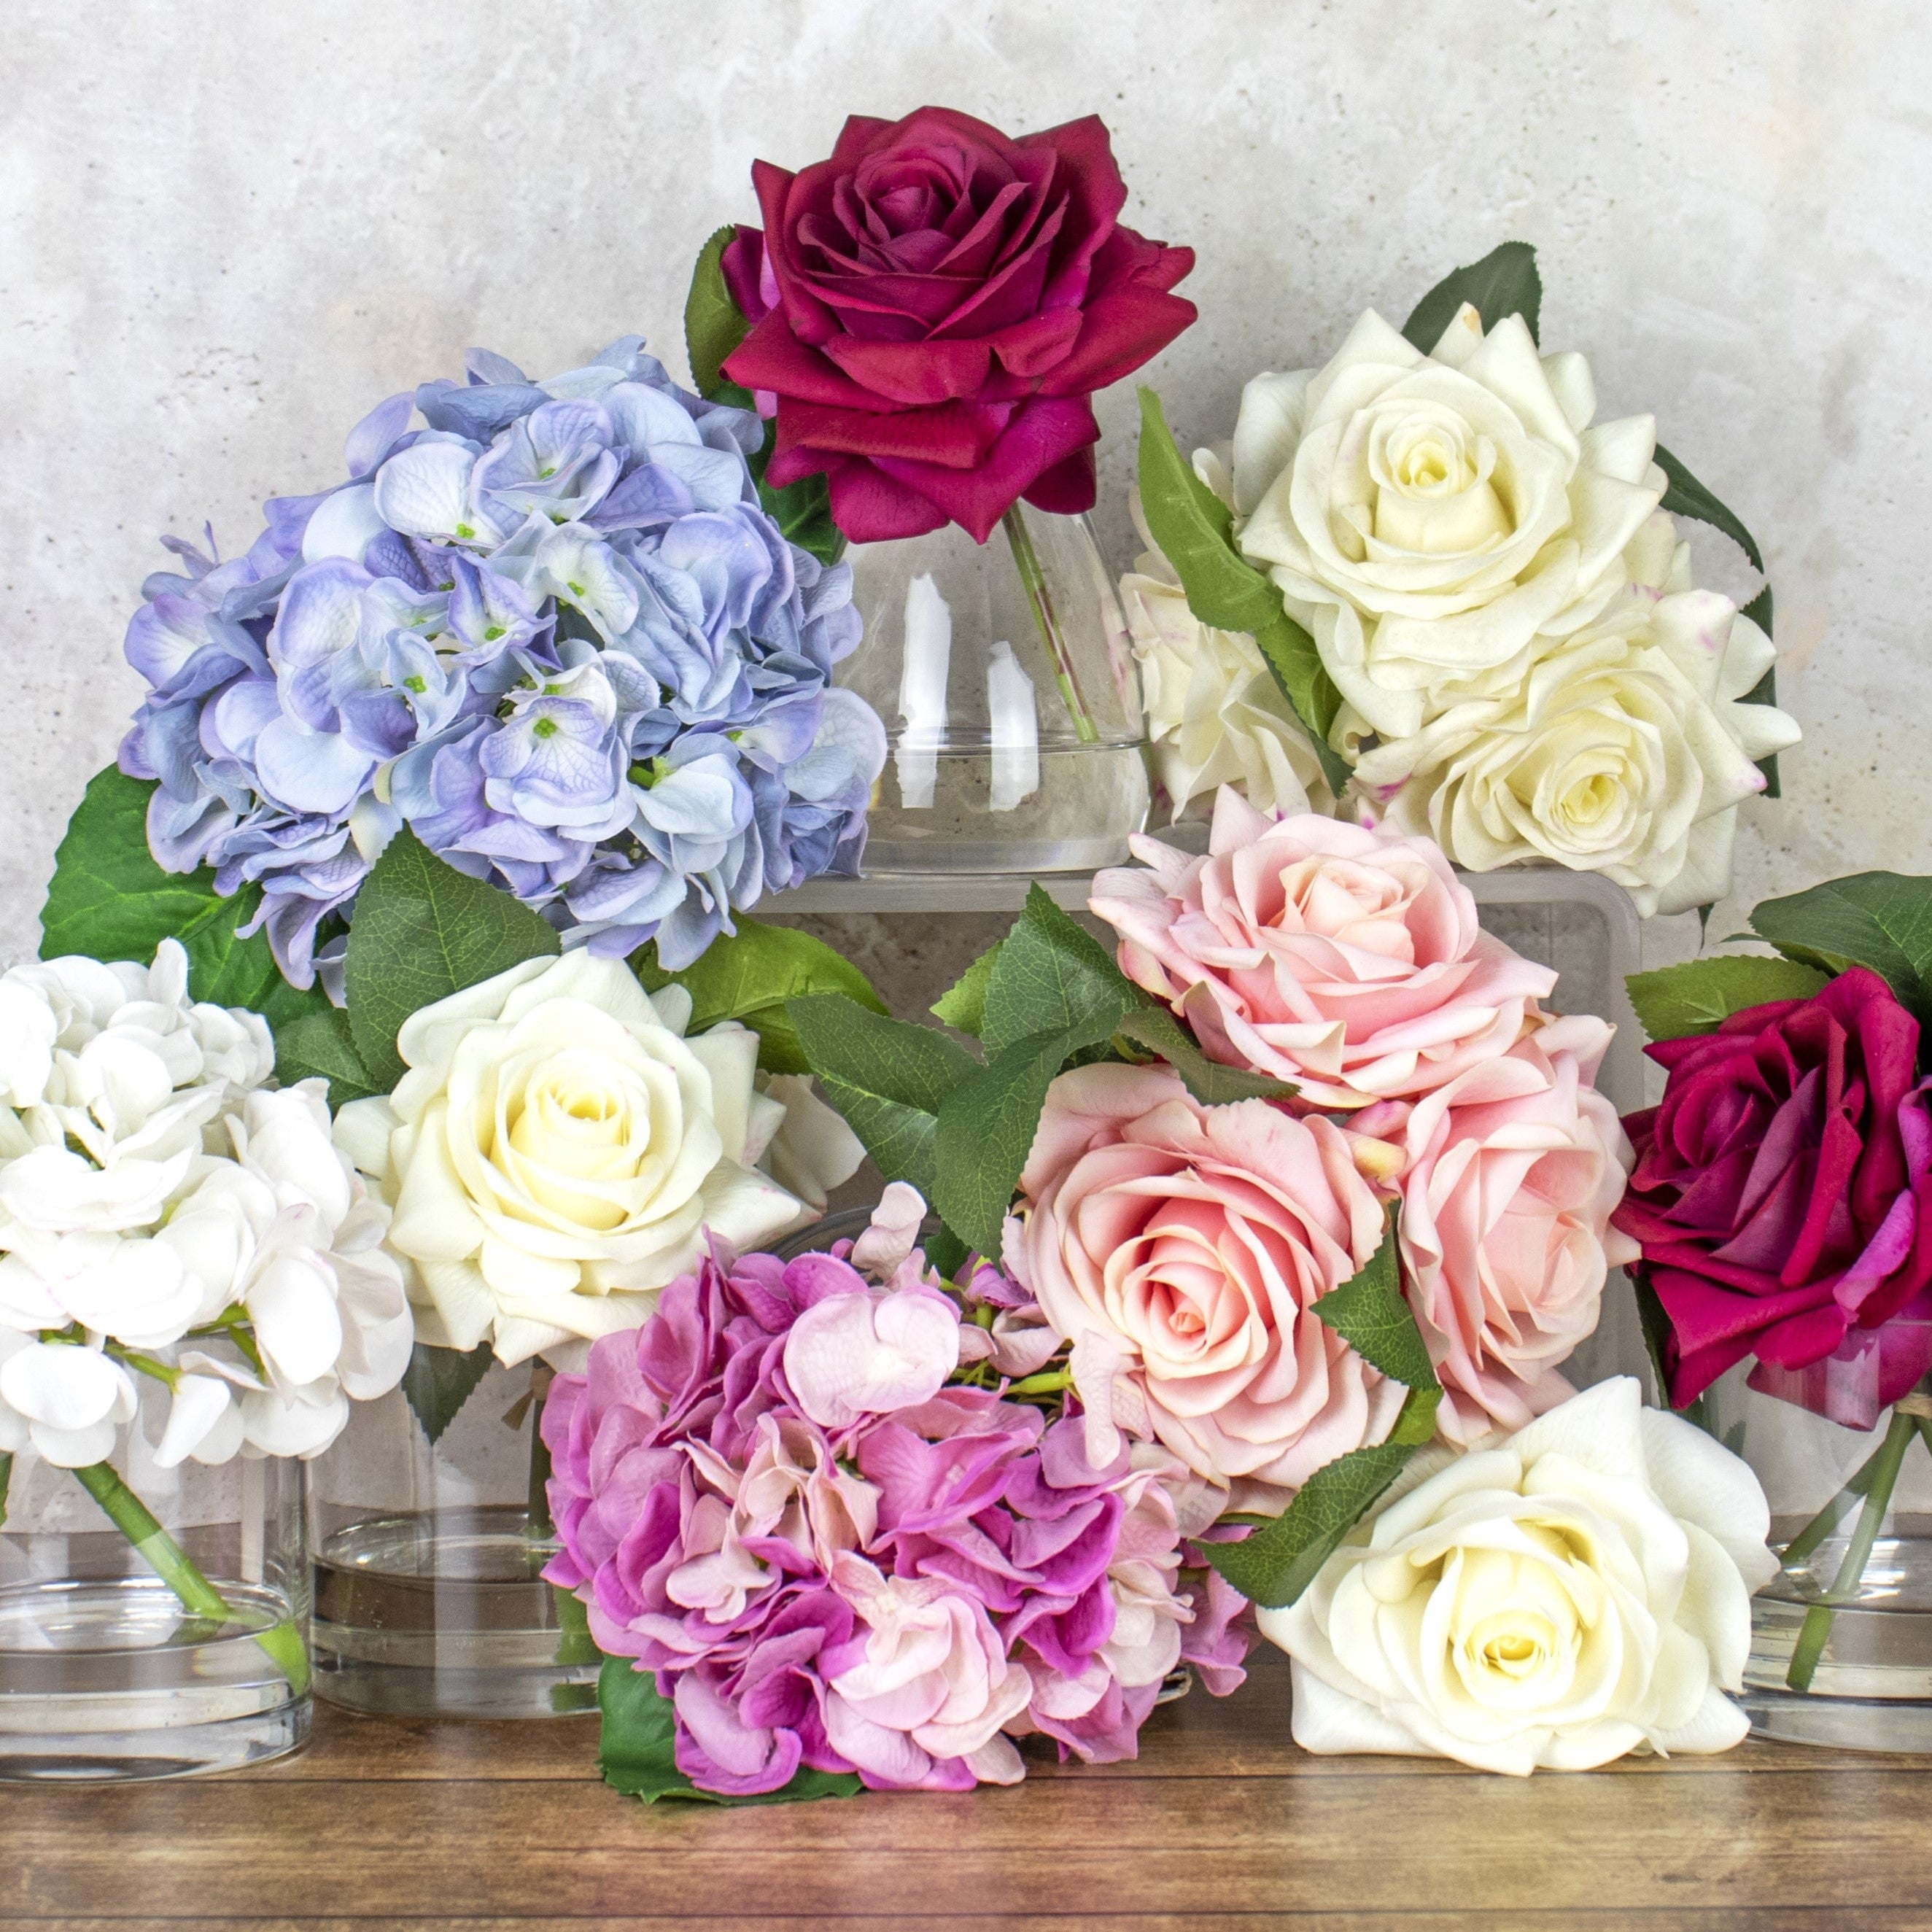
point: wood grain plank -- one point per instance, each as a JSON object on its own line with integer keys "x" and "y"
{"x": 1586, "y": 1843}
{"x": 1720, "y": 1919}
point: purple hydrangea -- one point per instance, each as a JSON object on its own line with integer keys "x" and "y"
{"x": 807, "y": 1502}
{"x": 549, "y": 626}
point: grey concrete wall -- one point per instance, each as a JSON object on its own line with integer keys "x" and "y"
{"x": 226, "y": 229}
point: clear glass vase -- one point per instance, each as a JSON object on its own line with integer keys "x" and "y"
{"x": 431, "y": 1532}
{"x": 154, "y": 1622}
{"x": 1012, "y": 710}
{"x": 1841, "y": 1639}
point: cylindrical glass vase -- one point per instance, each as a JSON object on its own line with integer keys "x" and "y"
{"x": 431, "y": 1531}
{"x": 154, "y": 1622}
{"x": 1012, "y": 710}
{"x": 1841, "y": 1638}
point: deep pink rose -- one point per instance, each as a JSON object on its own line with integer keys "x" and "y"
{"x": 1181, "y": 1248}
{"x": 1783, "y": 1199}
{"x": 1509, "y": 1176}
{"x": 934, "y": 307}
{"x": 1344, "y": 959}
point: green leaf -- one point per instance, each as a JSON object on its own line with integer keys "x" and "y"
{"x": 438, "y": 1381}
{"x": 963, "y": 1004}
{"x": 1655, "y": 1325}
{"x": 1369, "y": 1313}
{"x": 1194, "y": 530}
{"x": 1504, "y": 282}
{"x": 749, "y": 977}
{"x": 423, "y": 930}
{"x": 110, "y": 900}
{"x": 1415, "y": 1424}
{"x": 887, "y": 1078}
{"x": 1687, "y": 497}
{"x": 986, "y": 1131}
{"x": 1700, "y": 995}
{"x": 322, "y": 1042}
{"x": 1276, "y": 1563}
{"x": 1210, "y": 1083}
{"x": 1764, "y": 691}
{"x": 637, "y": 1747}
{"x": 1051, "y": 975}
{"x": 713, "y": 324}
{"x": 1880, "y": 919}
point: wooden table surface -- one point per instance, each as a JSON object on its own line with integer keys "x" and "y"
{"x": 504, "y": 1827}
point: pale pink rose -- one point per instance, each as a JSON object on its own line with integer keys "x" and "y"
{"x": 1510, "y": 1174}
{"x": 1181, "y": 1247}
{"x": 918, "y": 1696}
{"x": 1344, "y": 959}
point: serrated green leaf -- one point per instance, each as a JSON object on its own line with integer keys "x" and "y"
{"x": 1880, "y": 919}
{"x": 1504, "y": 282}
{"x": 108, "y": 900}
{"x": 963, "y": 1004}
{"x": 1276, "y": 1563}
{"x": 748, "y": 976}
{"x": 321, "y": 1043}
{"x": 714, "y": 325}
{"x": 438, "y": 1381}
{"x": 637, "y": 1747}
{"x": 1369, "y": 1313}
{"x": 1687, "y": 497}
{"x": 423, "y": 930}
{"x": 1210, "y": 1083}
{"x": 986, "y": 1131}
{"x": 1193, "y": 528}
{"x": 1415, "y": 1423}
{"x": 1052, "y": 975}
{"x": 887, "y": 1078}
{"x": 1700, "y": 995}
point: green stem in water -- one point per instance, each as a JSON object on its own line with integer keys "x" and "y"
{"x": 1033, "y": 580}
{"x": 1822, "y": 1525}
{"x": 6, "y": 1477}
{"x": 1816, "y": 1628}
{"x": 175, "y": 1568}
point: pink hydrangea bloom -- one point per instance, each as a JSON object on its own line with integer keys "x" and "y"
{"x": 832, "y": 1556}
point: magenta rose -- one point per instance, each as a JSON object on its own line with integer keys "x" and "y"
{"x": 1781, "y": 1199}
{"x": 934, "y": 307}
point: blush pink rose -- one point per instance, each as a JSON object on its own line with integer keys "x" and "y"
{"x": 1180, "y": 1249}
{"x": 1510, "y": 1173}
{"x": 1344, "y": 959}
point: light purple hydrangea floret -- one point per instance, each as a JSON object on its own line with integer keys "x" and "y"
{"x": 779, "y": 1497}
{"x": 550, "y": 628}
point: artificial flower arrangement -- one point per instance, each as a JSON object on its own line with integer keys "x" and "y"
{"x": 1477, "y": 616}
{"x": 1782, "y": 1196}
{"x": 1259, "y": 1244}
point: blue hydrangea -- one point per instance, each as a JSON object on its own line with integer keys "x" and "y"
{"x": 550, "y": 629}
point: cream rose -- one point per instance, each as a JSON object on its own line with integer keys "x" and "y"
{"x": 557, "y": 1151}
{"x": 1580, "y": 1591}
{"x": 1428, "y": 518}
{"x": 1625, "y": 750}
{"x": 1215, "y": 714}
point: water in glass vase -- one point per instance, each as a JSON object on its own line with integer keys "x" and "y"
{"x": 429, "y": 1600}
{"x": 1012, "y": 709}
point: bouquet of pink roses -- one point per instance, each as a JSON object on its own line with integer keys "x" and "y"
{"x": 811, "y": 1498}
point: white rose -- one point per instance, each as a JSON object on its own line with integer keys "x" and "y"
{"x": 1215, "y": 714}
{"x": 1431, "y": 517}
{"x": 555, "y": 1152}
{"x": 1580, "y": 1591}
{"x": 1626, "y": 750}
{"x": 810, "y": 1150}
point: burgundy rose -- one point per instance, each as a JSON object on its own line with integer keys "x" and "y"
{"x": 934, "y": 306}
{"x": 1781, "y": 1199}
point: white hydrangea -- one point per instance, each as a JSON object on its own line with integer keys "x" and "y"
{"x": 164, "y": 1213}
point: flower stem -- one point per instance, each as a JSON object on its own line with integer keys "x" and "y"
{"x": 1822, "y": 1525}
{"x": 1050, "y": 1383}
{"x": 175, "y": 1567}
{"x": 6, "y": 1479}
{"x": 1033, "y": 580}
{"x": 1817, "y": 1629}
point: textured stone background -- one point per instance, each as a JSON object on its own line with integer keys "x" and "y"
{"x": 229, "y": 228}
